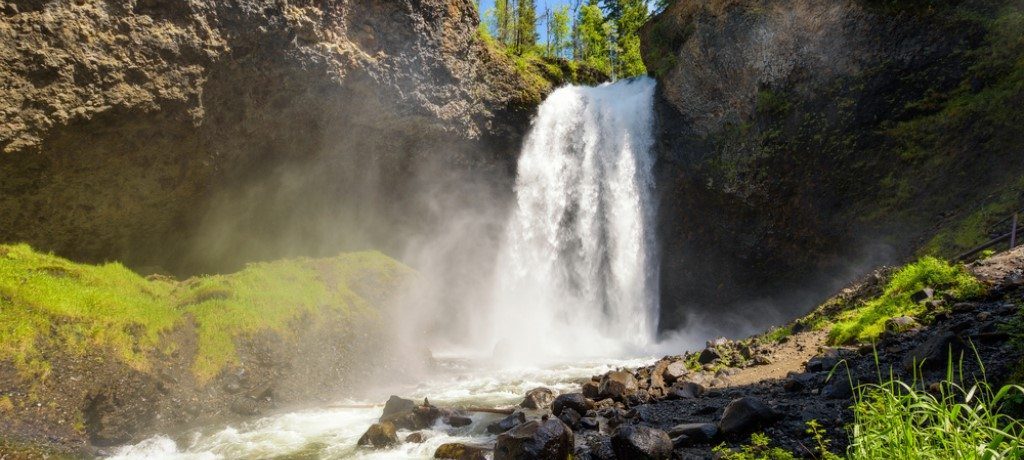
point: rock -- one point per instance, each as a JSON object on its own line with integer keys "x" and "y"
{"x": 574, "y": 401}
{"x": 901, "y": 324}
{"x": 589, "y": 423}
{"x": 570, "y": 417}
{"x": 799, "y": 382}
{"x": 507, "y": 423}
{"x": 837, "y": 388}
{"x": 762, "y": 360}
{"x": 416, "y": 438}
{"x": 709, "y": 355}
{"x": 420, "y": 417}
{"x": 458, "y": 420}
{"x": 547, "y": 439}
{"x": 641, "y": 443}
{"x": 922, "y": 295}
{"x": 459, "y": 451}
{"x": 617, "y": 385}
{"x": 675, "y": 371}
{"x": 379, "y": 435}
{"x": 744, "y": 415}
{"x": 821, "y": 363}
{"x": 658, "y": 384}
{"x": 719, "y": 342}
{"x": 396, "y": 405}
{"x": 695, "y": 432}
{"x": 591, "y": 389}
{"x": 686, "y": 390}
{"x": 638, "y": 398}
{"x": 933, "y": 352}
{"x": 538, "y": 398}
{"x": 595, "y": 447}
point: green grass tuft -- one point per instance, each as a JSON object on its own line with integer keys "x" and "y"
{"x": 867, "y": 322}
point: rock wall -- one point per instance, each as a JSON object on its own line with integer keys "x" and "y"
{"x": 804, "y": 141}
{"x": 196, "y": 135}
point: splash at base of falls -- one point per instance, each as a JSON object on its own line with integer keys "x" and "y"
{"x": 577, "y": 271}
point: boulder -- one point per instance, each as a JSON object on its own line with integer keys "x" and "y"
{"x": 658, "y": 384}
{"x": 507, "y": 423}
{"x": 675, "y": 371}
{"x": 641, "y": 442}
{"x": 744, "y": 415}
{"x": 416, "y": 438}
{"x": 695, "y": 432}
{"x": 933, "y": 352}
{"x": 922, "y": 295}
{"x": 419, "y": 418}
{"x": 709, "y": 355}
{"x": 591, "y": 389}
{"x": 396, "y": 405}
{"x": 901, "y": 324}
{"x": 685, "y": 390}
{"x": 459, "y": 451}
{"x": 589, "y": 423}
{"x": 617, "y": 385}
{"x": 574, "y": 401}
{"x": 595, "y": 447}
{"x": 546, "y": 439}
{"x": 379, "y": 435}
{"x": 538, "y": 398}
{"x": 570, "y": 417}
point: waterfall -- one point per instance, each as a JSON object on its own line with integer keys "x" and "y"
{"x": 577, "y": 270}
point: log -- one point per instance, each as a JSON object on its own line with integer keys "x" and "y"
{"x": 354, "y": 406}
{"x": 489, "y": 410}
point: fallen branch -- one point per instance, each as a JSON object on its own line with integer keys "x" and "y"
{"x": 489, "y": 410}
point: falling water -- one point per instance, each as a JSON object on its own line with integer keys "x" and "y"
{"x": 577, "y": 271}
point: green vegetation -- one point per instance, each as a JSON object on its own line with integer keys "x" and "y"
{"x": 894, "y": 419}
{"x": 758, "y": 449}
{"x": 48, "y": 303}
{"x": 867, "y": 321}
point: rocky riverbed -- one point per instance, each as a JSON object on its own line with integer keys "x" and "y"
{"x": 685, "y": 406}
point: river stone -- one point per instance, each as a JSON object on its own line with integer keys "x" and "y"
{"x": 416, "y": 438}
{"x": 675, "y": 371}
{"x": 641, "y": 443}
{"x": 695, "y": 432}
{"x": 460, "y": 451}
{"x": 709, "y": 355}
{"x": 685, "y": 390}
{"x": 507, "y": 423}
{"x": 458, "y": 420}
{"x": 547, "y": 439}
{"x": 379, "y": 435}
{"x": 591, "y": 389}
{"x": 744, "y": 415}
{"x": 570, "y": 417}
{"x": 538, "y": 398}
{"x": 574, "y": 401}
{"x": 617, "y": 385}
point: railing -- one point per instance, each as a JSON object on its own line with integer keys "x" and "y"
{"x": 1015, "y": 229}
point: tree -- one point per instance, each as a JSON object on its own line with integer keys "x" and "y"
{"x": 632, "y": 15}
{"x": 593, "y": 32}
{"x": 501, "y": 17}
{"x": 526, "y": 27}
{"x": 558, "y": 31}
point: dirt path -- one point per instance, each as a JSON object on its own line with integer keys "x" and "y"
{"x": 786, "y": 357}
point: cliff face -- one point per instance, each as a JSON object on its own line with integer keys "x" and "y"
{"x": 195, "y": 135}
{"x": 801, "y": 139}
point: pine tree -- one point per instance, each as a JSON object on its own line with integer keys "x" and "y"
{"x": 632, "y": 15}
{"x": 593, "y": 34}
{"x": 526, "y": 27}
{"x": 558, "y": 31}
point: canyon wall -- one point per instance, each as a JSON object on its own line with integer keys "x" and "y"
{"x": 807, "y": 140}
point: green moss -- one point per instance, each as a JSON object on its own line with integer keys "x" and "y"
{"x": 772, "y": 103}
{"x": 777, "y": 334}
{"x": 47, "y": 302}
{"x": 867, "y": 321}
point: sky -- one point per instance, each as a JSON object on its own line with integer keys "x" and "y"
{"x": 541, "y": 5}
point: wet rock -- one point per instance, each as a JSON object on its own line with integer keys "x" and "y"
{"x": 638, "y": 398}
{"x": 589, "y": 423}
{"x": 244, "y": 405}
{"x": 591, "y": 389}
{"x": 416, "y": 438}
{"x": 595, "y": 447}
{"x": 459, "y": 451}
{"x": 709, "y": 355}
{"x": 641, "y": 443}
{"x": 546, "y": 439}
{"x": 744, "y": 415}
{"x": 538, "y": 398}
{"x": 695, "y": 432}
{"x": 458, "y": 420}
{"x": 420, "y": 417}
{"x": 922, "y": 295}
{"x": 379, "y": 435}
{"x": 617, "y": 385}
{"x": 570, "y": 417}
{"x": 686, "y": 390}
{"x": 396, "y": 405}
{"x": 507, "y": 423}
{"x": 574, "y": 401}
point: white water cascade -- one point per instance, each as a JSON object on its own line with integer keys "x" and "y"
{"x": 577, "y": 273}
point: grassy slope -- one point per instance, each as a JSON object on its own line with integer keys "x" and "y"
{"x": 49, "y": 303}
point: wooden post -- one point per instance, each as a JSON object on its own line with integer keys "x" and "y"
{"x": 1013, "y": 232}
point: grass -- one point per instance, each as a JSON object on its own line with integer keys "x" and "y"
{"x": 894, "y": 419}
{"x": 48, "y": 303}
{"x": 867, "y": 322}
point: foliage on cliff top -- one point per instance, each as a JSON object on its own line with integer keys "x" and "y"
{"x": 50, "y": 304}
{"x": 867, "y": 321}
